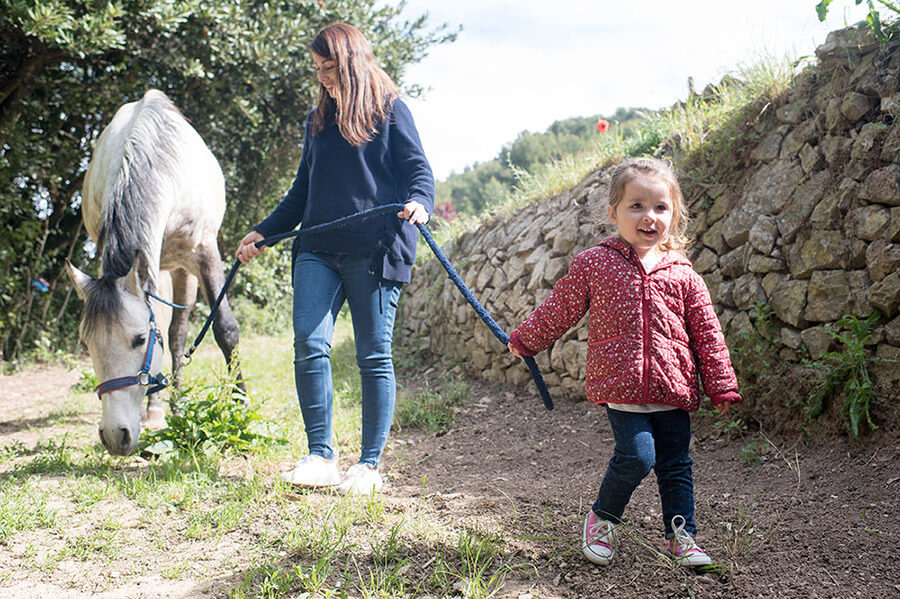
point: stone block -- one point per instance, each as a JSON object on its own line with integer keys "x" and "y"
{"x": 811, "y": 158}
{"x": 868, "y": 222}
{"x": 747, "y": 292}
{"x": 797, "y": 138}
{"x": 736, "y": 229}
{"x": 555, "y": 269}
{"x": 890, "y": 148}
{"x": 833, "y": 293}
{"x": 788, "y": 300}
{"x": 834, "y": 120}
{"x": 836, "y": 150}
{"x": 767, "y": 150}
{"x": 705, "y": 261}
{"x": 796, "y": 214}
{"x": 765, "y": 264}
{"x": 714, "y": 240}
{"x": 791, "y": 337}
{"x": 817, "y": 341}
{"x": 763, "y": 234}
{"x": 855, "y": 105}
{"x": 818, "y": 250}
{"x": 828, "y": 213}
{"x": 866, "y": 146}
{"x": 885, "y": 294}
{"x": 791, "y": 113}
{"x": 734, "y": 263}
{"x": 883, "y": 186}
{"x": 771, "y": 186}
{"x": 892, "y": 332}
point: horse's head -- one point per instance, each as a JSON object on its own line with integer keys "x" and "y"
{"x": 122, "y": 338}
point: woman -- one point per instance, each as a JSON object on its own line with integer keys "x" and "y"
{"x": 361, "y": 150}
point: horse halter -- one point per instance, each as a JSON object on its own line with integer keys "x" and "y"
{"x": 153, "y": 382}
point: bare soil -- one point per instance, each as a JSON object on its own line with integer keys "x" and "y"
{"x": 783, "y": 517}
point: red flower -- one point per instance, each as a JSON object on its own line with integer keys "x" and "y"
{"x": 602, "y": 126}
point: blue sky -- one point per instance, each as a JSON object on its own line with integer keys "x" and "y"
{"x": 522, "y": 64}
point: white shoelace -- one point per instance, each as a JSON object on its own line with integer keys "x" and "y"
{"x": 682, "y": 538}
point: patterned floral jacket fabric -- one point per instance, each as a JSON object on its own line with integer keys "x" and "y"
{"x": 651, "y": 336}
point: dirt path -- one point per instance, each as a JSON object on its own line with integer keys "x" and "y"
{"x": 785, "y": 520}
{"x": 818, "y": 519}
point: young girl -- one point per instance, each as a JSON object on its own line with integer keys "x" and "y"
{"x": 650, "y": 318}
{"x": 361, "y": 150}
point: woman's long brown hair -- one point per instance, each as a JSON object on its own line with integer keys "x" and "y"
{"x": 365, "y": 92}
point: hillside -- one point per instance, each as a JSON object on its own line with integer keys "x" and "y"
{"x": 796, "y": 217}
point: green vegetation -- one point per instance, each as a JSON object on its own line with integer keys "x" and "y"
{"x": 481, "y": 186}
{"x": 848, "y": 370}
{"x": 70, "y": 501}
{"x": 883, "y": 32}
{"x": 211, "y": 419}
{"x": 240, "y": 72}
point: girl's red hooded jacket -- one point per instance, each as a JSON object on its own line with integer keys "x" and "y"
{"x": 648, "y": 333}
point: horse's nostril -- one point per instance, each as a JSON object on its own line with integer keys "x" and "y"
{"x": 102, "y": 438}
{"x": 126, "y": 438}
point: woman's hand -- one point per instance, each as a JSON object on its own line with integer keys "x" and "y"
{"x": 514, "y": 351}
{"x": 247, "y": 251}
{"x": 414, "y": 212}
{"x": 723, "y": 407}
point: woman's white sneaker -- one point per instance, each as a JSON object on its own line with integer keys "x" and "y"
{"x": 361, "y": 479}
{"x": 313, "y": 471}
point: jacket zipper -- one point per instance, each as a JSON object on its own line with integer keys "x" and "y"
{"x": 645, "y": 309}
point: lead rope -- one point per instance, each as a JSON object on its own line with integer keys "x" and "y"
{"x": 499, "y": 333}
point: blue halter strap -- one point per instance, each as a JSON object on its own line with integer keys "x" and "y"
{"x": 152, "y": 382}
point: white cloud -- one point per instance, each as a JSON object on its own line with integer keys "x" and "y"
{"x": 520, "y": 65}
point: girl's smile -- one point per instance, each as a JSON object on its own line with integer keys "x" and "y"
{"x": 644, "y": 214}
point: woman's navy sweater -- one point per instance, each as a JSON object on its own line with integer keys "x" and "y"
{"x": 336, "y": 179}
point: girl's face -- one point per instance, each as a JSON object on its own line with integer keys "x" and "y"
{"x": 326, "y": 73}
{"x": 644, "y": 214}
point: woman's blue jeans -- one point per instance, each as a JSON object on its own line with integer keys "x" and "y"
{"x": 657, "y": 440}
{"x": 322, "y": 282}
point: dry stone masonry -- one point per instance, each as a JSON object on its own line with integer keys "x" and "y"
{"x": 810, "y": 229}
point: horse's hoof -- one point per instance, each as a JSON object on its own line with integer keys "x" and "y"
{"x": 156, "y": 418}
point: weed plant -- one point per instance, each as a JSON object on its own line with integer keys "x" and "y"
{"x": 848, "y": 370}
{"x": 212, "y": 418}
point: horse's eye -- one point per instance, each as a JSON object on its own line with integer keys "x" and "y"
{"x": 137, "y": 341}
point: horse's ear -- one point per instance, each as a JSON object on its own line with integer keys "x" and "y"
{"x": 79, "y": 279}
{"x": 134, "y": 280}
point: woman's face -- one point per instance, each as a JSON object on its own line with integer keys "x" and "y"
{"x": 326, "y": 73}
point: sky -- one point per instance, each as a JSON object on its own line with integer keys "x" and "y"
{"x": 520, "y": 65}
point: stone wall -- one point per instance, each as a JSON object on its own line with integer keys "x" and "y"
{"x": 809, "y": 226}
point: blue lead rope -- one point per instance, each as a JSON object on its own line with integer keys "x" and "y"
{"x": 499, "y": 333}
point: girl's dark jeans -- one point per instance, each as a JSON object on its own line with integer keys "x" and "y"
{"x": 657, "y": 440}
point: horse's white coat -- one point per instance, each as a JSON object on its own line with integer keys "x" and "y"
{"x": 183, "y": 214}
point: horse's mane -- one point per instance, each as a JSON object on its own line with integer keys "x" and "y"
{"x": 149, "y": 156}
{"x": 102, "y": 304}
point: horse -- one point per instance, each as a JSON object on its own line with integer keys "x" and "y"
{"x": 153, "y": 200}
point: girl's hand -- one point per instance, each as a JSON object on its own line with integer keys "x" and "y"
{"x": 514, "y": 351}
{"x": 414, "y": 212}
{"x": 246, "y": 250}
{"x": 723, "y": 407}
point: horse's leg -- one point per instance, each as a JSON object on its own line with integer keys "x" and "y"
{"x": 184, "y": 288}
{"x": 225, "y": 327}
{"x": 156, "y": 413}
